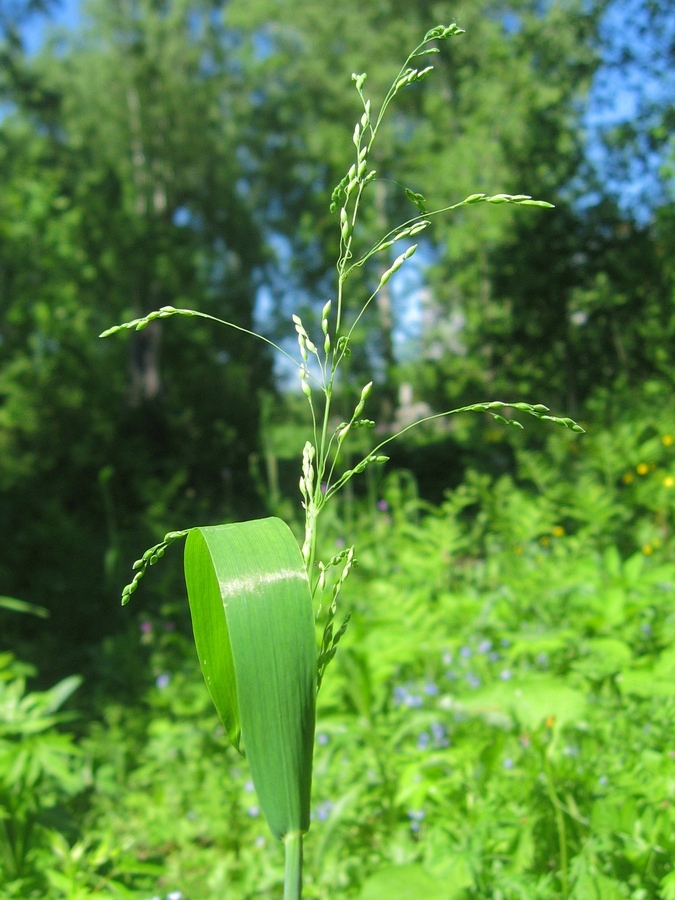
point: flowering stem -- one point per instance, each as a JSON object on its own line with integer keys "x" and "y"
{"x": 293, "y": 866}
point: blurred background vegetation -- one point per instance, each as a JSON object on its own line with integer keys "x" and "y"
{"x": 180, "y": 152}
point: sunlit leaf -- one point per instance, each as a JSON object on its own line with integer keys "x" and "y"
{"x": 254, "y": 629}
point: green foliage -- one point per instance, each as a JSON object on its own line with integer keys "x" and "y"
{"x": 498, "y": 719}
{"x": 495, "y": 700}
{"x": 40, "y": 770}
{"x": 119, "y": 194}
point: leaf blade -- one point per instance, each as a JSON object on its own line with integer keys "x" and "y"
{"x": 258, "y": 577}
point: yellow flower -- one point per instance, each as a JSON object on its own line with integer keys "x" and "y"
{"x": 668, "y": 481}
{"x": 558, "y": 531}
{"x": 642, "y": 469}
{"x": 667, "y": 440}
{"x": 647, "y": 549}
{"x": 545, "y": 540}
{"x": 627, "y": 477}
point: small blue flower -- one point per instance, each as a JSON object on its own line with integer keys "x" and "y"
{"x": 438, "y": 731}
{"x": 253, "y": 812}
{"x": 403, "y": 696}
{"x": 163, "y": 680}
{"x": 431, "y": 688}
{"x": 505, "y": 674}
{"x": 439, "y": 734}
{"x": 473, "y": 680}
{"x": 323, "y": 811}
{"x": 175, "y": 895}
{"x": 322, "y": 738}
{"x": 508, "y": 763}
{"x": 416, "y": 816}
{"x": 485, "y": 647}
{"x": 423, "y": 740}
{"x": 465, "y": 652}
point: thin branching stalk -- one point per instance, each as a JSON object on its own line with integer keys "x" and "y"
{"x": 300, "y": 585}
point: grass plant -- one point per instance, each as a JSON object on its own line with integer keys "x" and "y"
{"x": 254, "y": 594}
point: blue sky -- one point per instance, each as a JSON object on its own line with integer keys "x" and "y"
{"x": 66, "y": 13}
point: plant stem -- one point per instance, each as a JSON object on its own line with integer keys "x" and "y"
{"x": 560, "y": 825}
{"x": 293, "y": 867}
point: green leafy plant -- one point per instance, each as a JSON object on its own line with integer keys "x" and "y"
{"x": 39, "y": 771}
{"x": 254, "y": 594}
{"x": 487, "y": 643}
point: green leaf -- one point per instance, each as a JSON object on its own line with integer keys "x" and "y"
{"x": 22, "y": 606}
{"x": 596, "y": 886}
{"x": 253, "y": 623}
{"x": 403, "y": 882}
{"x": 529, "y": 701}
{"x": 668, "y": 886}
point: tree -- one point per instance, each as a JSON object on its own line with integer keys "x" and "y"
{"x": 502, "y": 114}
{"x": 634, "y": 112}
{"x": 530, "y": 303}
{"x": 121, "y": 195}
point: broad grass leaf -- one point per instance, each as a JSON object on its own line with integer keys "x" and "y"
{"x": 254, "y": 629}
{"x": 211, "y": 633}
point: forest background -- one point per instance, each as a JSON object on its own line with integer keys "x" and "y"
{"x": 184, "y": 153}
